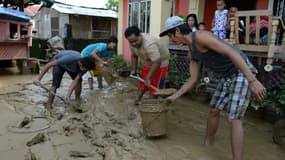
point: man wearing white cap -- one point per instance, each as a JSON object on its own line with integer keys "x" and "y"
{"x": 236, "y": 78}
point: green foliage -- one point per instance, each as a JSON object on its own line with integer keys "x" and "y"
{"x": 183, "y": 17}
{"x": 119, "y": 63}
{"x": 276, "y": 96}
{"x": 113, "y": 5}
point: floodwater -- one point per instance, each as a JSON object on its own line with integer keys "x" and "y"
{"x": 109, "y": 126}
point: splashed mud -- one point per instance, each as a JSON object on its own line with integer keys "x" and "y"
{"x": 109, "y": 126}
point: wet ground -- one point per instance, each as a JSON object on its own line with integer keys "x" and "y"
{"x": 109, "y": 127}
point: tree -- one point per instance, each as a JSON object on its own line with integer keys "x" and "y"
{"x": 113, "y": 5}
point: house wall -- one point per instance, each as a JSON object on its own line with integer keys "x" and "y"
{"x": 210, "y": 7}
{"x": 63, "y": 19}
{"x": 181, "y": 7}
{"x": 160, "y": 8}
{"x": 197, "y": 7}
{"x": 80, "y": 31}
{"x": 262, "y": 4}
{"x": 41, "y": 20}
{"x": 160, "y": 11}
{"x": 122, "y": 25}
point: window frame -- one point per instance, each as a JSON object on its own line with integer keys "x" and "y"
{"x": 54, "y": 26}
{"x": 94, "y": 31}
{"x": 144, "y": 14}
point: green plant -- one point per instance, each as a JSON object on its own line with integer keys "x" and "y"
{"x": 119, "y": 63}
{"x": 183, "y": 17}
{"x": 275, "y": 98}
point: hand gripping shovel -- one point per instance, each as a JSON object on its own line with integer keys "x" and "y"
{"x": 158, "y": 92}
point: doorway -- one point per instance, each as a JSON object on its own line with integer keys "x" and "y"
{"x": 242, "y": 5}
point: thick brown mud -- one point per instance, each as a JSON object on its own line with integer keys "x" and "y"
{"x": 108, "y": 126}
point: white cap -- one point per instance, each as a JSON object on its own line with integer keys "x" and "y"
{"x": 171, "y": 23}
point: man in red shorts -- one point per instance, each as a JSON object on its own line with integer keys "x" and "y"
{"x": 154, "y": 57}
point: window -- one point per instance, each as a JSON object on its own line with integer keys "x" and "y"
{"x": 139, "y": 14}
{"x": 278, "y": 8}
{"x": 54, "y": 26}
{"x": 101, "y": 27}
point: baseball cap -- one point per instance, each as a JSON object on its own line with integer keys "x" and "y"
{"x": 171, "y": 23}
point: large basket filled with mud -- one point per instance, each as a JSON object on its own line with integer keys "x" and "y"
{"x": 154, "y": 117}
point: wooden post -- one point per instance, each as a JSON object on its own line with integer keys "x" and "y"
{"x": 257, "y": 30}
{"x": 236, "y": 37}
{"x": 232, "y": 31}
{"x": 271, "y": 40}
{"x": 247, "y": 25}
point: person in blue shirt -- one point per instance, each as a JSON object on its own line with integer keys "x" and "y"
{"x": 100, "y": 51}
{"x": 66, "y": 61}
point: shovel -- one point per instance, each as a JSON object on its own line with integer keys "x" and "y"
{"x": 158, "y": 92}
{"x": 46, "y": 89}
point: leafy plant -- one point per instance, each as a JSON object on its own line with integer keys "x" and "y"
{"x": 119, "y": 63}
{"x": 113, "y": 5}
{"x": 276, "y": 97}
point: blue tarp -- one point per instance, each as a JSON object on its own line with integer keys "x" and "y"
{"x": 11, "y": 14}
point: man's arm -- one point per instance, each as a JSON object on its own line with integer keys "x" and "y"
{"x": 72, "y": 87}
{"x": 134, "y": 60}
{"x": 94, "y": 54}
{"x": 194, "y": 69}
{"x": 208, "y": 42}
{"x": 44, "y": 71}
{"x": 153, "y": 53}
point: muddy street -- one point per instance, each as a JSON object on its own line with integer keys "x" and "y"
{"x": 108, "y": 126}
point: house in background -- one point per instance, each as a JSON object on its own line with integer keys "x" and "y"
{"x": 150, "y": 15}
{"x": 75, "y": 21}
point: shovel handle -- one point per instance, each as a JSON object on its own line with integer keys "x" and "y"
{"x": 142, "y": 80}
{"x": 48, "y": 90}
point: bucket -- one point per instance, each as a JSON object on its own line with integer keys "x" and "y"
{"x": 154, "y": 119}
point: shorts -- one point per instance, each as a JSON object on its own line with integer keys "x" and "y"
{"x": 234, "y": 94}
{"x": 57, "y": 74}
{"x": 157, "y": 80}
{"x": 97, "y": 70}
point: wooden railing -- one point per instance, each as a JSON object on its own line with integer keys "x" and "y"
{"x": 253, "y": 42}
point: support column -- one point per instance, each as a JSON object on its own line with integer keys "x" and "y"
{"x": 120, "y": 27}
{"x": 197, "y": 7}
{"x": 159, "y": 12}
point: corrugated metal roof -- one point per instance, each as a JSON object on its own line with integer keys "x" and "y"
{"x": 68, "y": 9}
{"x": 11, "y": 14}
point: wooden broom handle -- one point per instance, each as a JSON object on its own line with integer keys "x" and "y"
{"x": 142, "y": 80}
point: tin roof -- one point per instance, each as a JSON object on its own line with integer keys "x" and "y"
{"x": 69, "y": 9}
{"x": 11, "y": 14}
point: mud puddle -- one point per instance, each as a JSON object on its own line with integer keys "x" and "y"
{"x": 109, "y": 127}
